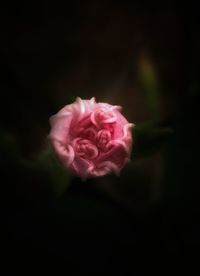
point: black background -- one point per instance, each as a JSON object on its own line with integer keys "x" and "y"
{"x": 52, "y": 52}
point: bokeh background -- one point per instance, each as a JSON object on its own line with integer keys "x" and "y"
{"x": 142, "y": 56}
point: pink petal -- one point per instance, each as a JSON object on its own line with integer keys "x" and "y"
{"x": 81, "y": 167}
{"x": 117, "y": 155}
{"x": 64, "y": 153}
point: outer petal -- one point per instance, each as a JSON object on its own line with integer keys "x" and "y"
{"x": 81, "y": 167}
{"x": 103, "y": 169}
{"x": 119, "y": 127}
{"x": 85, "y": 106}
{"x": 60, "y": 127}
{"x": 69, "y": 116}
{"x": 82, "y": 108}
{"x": 65, "y": 153}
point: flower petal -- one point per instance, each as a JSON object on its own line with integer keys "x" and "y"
{"x": 81, "y": 167}
{"x": 103, "y": 169}
{"x": 64, "y": 153}
{"x": 117, "y": 154}
{"x": 60, "y": 126}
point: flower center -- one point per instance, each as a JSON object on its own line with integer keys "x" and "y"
{"x": 85, "y": 148}
{"x": 89, "y": 134}
{"x": 103, "y": 137}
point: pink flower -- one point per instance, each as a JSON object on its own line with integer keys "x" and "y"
{"x": 91, "y": 139}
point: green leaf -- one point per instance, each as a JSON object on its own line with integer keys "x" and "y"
{"x": 149, "y": 84}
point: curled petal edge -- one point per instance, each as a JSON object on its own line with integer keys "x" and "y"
{"x": 103, "y": 168}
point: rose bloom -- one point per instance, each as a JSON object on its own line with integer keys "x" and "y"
{"x": 91, "y": 139}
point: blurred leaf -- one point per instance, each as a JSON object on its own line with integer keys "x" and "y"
{"x": 148, "y": 80}
{"x": 60, "y": 178}
{"x": 45, "y": 163}
{"x": 149, "y": 139}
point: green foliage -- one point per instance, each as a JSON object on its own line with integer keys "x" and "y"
{"x": 59, "y": 178}
{"x": 149, "y": 84}
{"x": 149, "y": 138}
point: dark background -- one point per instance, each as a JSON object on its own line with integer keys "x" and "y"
{"x": 142, "y": 56}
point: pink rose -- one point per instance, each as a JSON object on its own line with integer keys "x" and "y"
{"x": 91, "y": 139}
